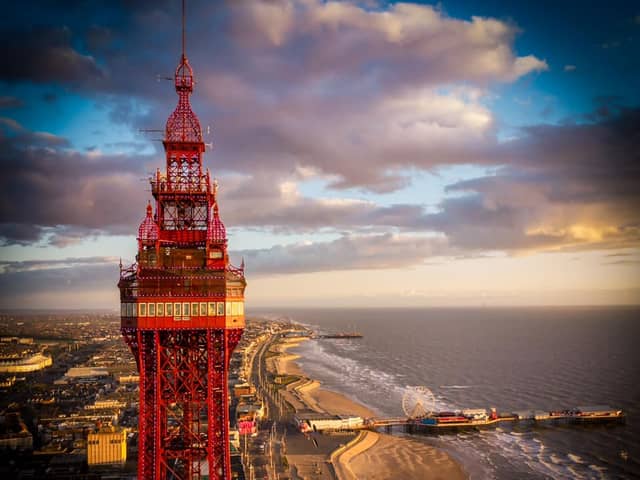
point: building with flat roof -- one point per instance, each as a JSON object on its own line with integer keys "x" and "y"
{"x": 79, "y": 372}
{"x": 107, "y": 446}
{"x": 129, "y": 379}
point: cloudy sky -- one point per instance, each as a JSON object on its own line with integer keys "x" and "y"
{"x": 369, "y": 153}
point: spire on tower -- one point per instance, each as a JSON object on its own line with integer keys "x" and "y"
{"x": 148, "y": 231}
{"x": 183, "y": 125}
{"x": 216, "y": 231}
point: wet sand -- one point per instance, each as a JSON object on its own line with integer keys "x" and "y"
{"x": 371, "y": 455}
{"x": 396, "y": 457}
{"x": 284, "y": 363}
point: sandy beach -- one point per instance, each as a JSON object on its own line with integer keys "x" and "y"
{"x": 388, "y": 456}
{"x": 284, "y": 363}
{"x": 370, "y": 455}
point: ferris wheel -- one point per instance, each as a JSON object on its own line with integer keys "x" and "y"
{"x": 418, "y": 401}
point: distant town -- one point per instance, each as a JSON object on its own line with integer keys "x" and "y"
{"x": 69, "y": 398}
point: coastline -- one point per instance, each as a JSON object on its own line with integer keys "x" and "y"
{"x": 370, "y": 455}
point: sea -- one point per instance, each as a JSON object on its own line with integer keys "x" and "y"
{"x": 514, "y": 359}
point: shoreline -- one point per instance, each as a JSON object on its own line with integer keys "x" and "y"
{"x": 371, "y": 455}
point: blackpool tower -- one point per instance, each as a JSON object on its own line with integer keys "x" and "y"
{"x": 182, "y": 309}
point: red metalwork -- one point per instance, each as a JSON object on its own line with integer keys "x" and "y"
{"x": 182, "y": 311}
{"x": 216, "y": 232}
{"x": 183, "y": 125}
{"x": 148, "y": 231}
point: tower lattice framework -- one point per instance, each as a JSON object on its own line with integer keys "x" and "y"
{"x": 182, "y": 310}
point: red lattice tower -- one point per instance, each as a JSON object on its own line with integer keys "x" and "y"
{"x": 182, "y": 310}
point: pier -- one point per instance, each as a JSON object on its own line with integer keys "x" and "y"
{"x": 456, "y": 420}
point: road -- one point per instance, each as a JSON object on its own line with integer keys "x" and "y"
{"x": 279, "y": 437}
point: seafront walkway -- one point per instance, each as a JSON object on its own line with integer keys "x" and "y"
{"x": 307, "y": 456}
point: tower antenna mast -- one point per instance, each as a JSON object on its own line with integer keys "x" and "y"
{"x": 183, "y": 27}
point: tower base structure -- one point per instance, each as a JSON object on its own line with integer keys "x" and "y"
{"x": 183, "y": 420}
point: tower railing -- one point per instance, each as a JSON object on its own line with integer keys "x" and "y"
{"x": 187, "y": 186}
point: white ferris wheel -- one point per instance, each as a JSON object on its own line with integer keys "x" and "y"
{"x": 418, "y": 402}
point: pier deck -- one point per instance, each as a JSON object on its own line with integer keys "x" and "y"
{"x": 530, "y": 417}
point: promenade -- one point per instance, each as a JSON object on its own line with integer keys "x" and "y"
{"x": 343, "y": 456}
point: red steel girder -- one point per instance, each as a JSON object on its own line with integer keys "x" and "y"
{"x": 184, "y": 411}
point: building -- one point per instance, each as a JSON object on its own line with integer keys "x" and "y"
{"x": 314, "y": 421}
{"x": 87, "y": 372}
{"x": 129, "y": 379}
{"x": 234, "y": 439}
{"x": 106, "y": 405}
{"x": 243, "y": 389}
{"x": 250, "y": 411}
{"x": 182, "y": 309}
{"x": 7, "y": 382}
{"x": 107, "y": 446}
{"x": 14, "y": 434}
{"x": 26, "y": 364}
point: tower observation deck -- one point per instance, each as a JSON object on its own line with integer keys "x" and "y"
{"x": 182, "y": 309}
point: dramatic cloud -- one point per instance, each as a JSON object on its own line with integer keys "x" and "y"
{"x": 345, "y": 253}
{"x": 54, "y": 190}
{"x": 283, "y": 208}
{"x": 362, "y": 143}
{"x": 570, "y": 186}
{"x": 405, "y": 44}
{"x": 45, "y": 55}
{"x": 354, "y": 92}
{"x": 22, "y": 282}
{"x": 567, "y": 186}
{"x": 64, "y": 283}
{"x": 13, "y": 267}
{"x": 64, "y": 196}
{"x": 24, "y": 288}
